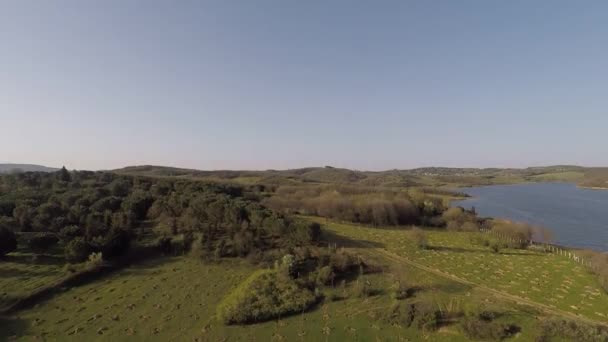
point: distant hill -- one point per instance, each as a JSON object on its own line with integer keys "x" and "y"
{"x": 16, "y": 168}
{"x": 305, "y": 175}
{"x": 428, "y": 176}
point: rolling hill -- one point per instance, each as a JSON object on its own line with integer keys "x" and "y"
{"x": 16, "y": 168}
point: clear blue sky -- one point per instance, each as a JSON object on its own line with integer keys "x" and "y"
{"x": 284, "y": 84}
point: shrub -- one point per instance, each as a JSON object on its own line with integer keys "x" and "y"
{"x": 419, "y": 237}
{"x": 287, "y": 265}
{"x": 519, "y": 234}
{"x": 455, "y": 214}
{"x": 163, "y": 244}
{"x": 94, "y": 260}
{"x": 571, "y": 331}
{"x": 427, "y": 316}
{"x": 77, "y": 250}
{"x": 198, "y": 248}
{"x": 8, "y": 241}
{"x": 342, "y": 262}
{"x": 300, "y": 232}
{"x": 180, "y": 244}
{"x": 453, "y": 226}
{"x": 495, "y": 246}
{"x": 114, "y": 244}
{"x": 470, "y": 226}
{"x": 362, "y": 289}
{"x": 325, "y": 276}
{"x": 66, "y": 234}
{"x": 401, "y": 314}
{"x": 479, "y": 328}
{"x": 401, "y": 291}
{"x": 264, "y": 296}
{"x": 334, "y": 297}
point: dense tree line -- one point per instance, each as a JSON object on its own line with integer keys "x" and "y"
{"x": 359, "y": 205}
{"x": 103, "y": 212}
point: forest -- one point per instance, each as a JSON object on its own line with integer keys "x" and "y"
{"x": 103, "y": 212}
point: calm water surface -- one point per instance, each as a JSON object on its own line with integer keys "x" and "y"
{"x": 578, "y": 217}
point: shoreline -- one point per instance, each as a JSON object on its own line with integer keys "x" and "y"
{"x": 591, "y": 187}
{"x": 453, "y": 200}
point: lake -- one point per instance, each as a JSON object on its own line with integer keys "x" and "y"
{"x": 578, "y": 217}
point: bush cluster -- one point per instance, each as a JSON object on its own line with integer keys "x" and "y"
{"x": 424, "y": 314}
{"x": 515, "y": 235}
{"x": 570, "y": 330}
{"x": 263, "y": 296}
{"x": 458, "y": 219}
{"x": 484, "y": 328}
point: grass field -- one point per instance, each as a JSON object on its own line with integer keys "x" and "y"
{"x": 174, "y": 299}
{"x": 548, "y": 279}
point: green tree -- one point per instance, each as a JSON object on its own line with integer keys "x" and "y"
{"x": 63, "y": 175}
{"x": 138, "y": 203}
{"x": 67, "y": 234}
{"x": 77, "y": 250}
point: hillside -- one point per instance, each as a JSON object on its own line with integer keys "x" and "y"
{"x": 435, "y": 176}
{"x": 16, "y": 168}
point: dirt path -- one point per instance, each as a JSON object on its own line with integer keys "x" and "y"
{"x": 499, "y": 294}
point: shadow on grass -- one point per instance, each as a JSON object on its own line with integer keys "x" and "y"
{"x": 453, "y": 249}
{"x": 40, "y": 259}
{"x": 343, "y": 241}
{"x": 465, "y": 250}
{"x": 97, "y": 273}
{"x": 11, "y": 328}
{"x": 13, "y": 272}
{"x": 324, "y": 220}
{"x": 451, "y": 288}
{"x": 521, "y": 254}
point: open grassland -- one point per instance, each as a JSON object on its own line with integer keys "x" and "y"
{"x": 548, "y": 279}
